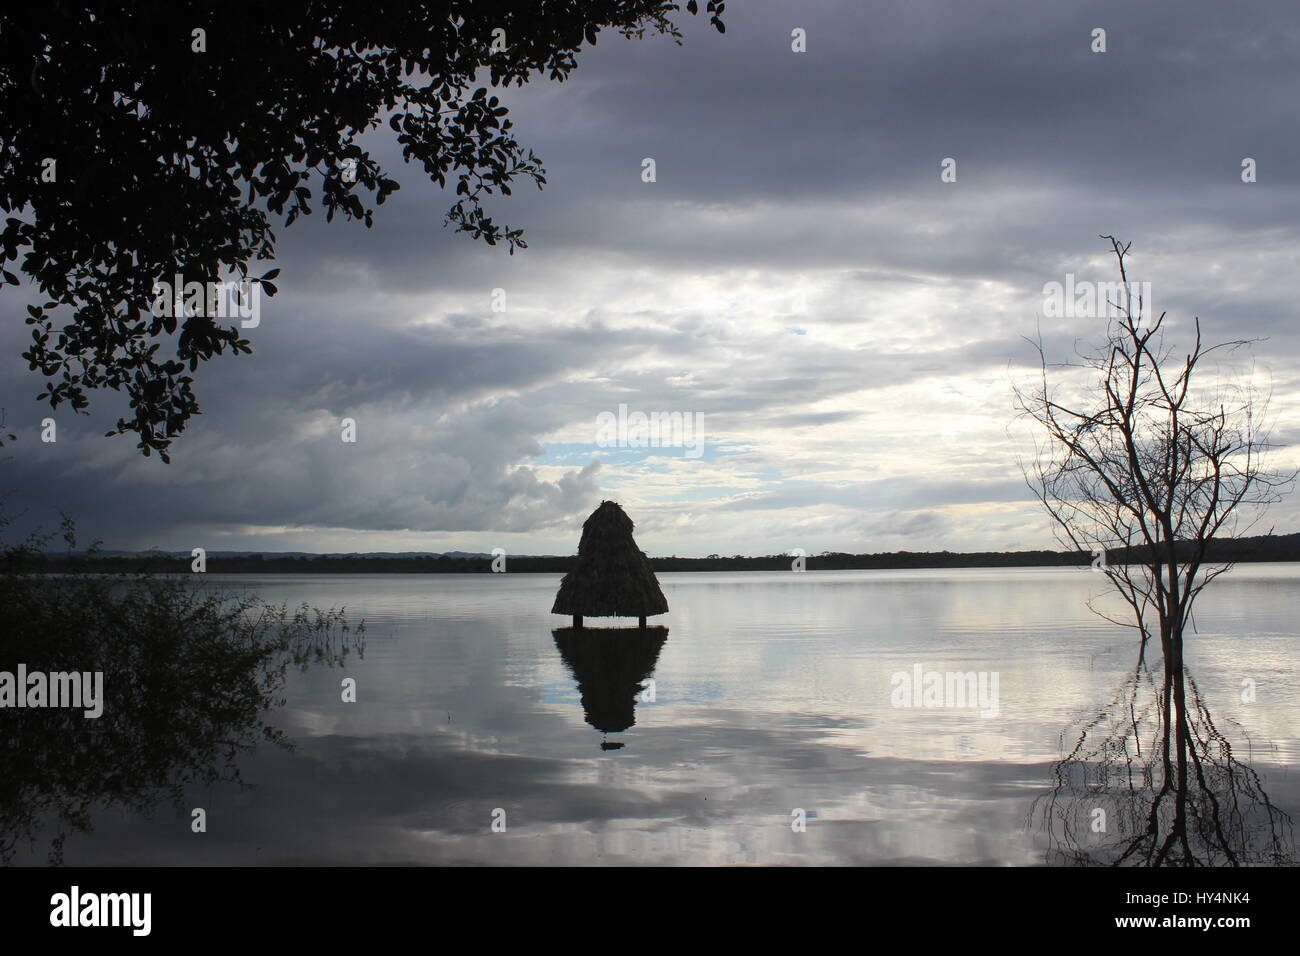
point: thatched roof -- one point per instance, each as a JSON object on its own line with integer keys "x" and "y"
{"x": 609, "y": 665}
{"x": 612, "y": 577}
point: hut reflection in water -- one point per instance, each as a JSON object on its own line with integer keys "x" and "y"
{"x": 610, "y": 665}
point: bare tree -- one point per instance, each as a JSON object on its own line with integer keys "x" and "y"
{"x": 1147, "y": 465}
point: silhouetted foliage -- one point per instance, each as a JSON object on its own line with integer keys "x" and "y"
{"x": 171, "y": 150}
{"x": 189, "y": 674}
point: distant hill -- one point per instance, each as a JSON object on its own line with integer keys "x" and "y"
{"x": 1260, "y": 548}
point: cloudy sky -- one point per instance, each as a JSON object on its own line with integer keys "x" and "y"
{"x": 845, "y": 325}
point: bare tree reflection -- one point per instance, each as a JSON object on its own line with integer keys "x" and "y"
{"x": 1152, "y": 781}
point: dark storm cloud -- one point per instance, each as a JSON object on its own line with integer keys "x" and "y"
{"x": 861, "y": 123}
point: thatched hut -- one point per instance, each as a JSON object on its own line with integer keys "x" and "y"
{"x": 612, "y": 578}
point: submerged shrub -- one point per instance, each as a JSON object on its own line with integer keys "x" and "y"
{"x": 189, "y": 675}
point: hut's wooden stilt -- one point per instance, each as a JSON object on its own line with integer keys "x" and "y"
{"x": 577, "y": 620}
{"x": 642, "y": 622}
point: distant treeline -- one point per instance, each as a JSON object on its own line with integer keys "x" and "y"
{"x": 1264, "y": 548}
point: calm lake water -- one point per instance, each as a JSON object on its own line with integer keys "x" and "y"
{"x": 772, "y": 694}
